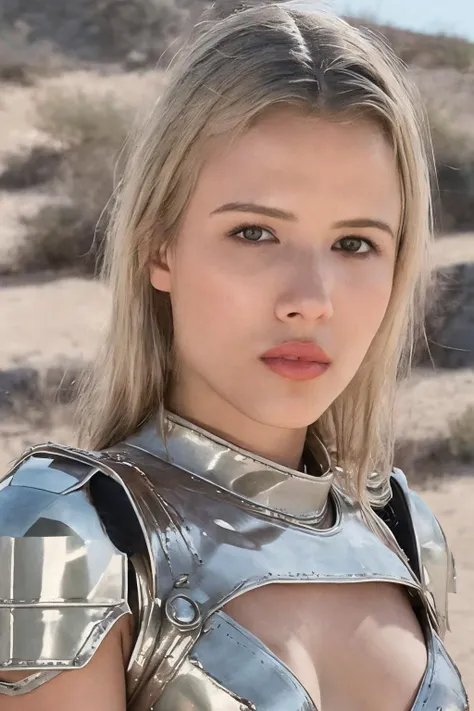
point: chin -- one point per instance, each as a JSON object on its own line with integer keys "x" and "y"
{"x": 285, "y": 414}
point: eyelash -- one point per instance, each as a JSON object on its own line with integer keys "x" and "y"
{"x": 373, "y": 248}
{"x": 249, "y": 225}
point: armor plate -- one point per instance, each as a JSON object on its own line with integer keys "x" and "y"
{"x": 203, "y": 541}
{"x": 64, "y": 583}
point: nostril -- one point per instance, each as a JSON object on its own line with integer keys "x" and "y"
{"x": 292, "y": 314}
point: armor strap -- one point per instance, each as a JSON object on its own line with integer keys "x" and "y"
{"x": 181, "y": 626}
{"x": 29, "y": 683}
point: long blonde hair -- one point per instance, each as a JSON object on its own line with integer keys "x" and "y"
{"x": 233, "y": 70}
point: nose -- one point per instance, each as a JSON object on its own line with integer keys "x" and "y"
{"x": 307, "y": 295}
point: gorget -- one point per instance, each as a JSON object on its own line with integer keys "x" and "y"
{"x": 172, "y": 526}
{"x": 297, "y": 495}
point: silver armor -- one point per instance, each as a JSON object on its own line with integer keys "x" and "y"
{"x": 183, "y": 524}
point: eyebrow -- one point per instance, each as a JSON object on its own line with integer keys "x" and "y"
{"x": 290, "y": 216}
{"x": 257, "y": 209}
{"x": 366, "y": 222}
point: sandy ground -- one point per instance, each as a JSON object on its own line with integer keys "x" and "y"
{"x": 45, "y": 321}
{"x": 54, "y": 321}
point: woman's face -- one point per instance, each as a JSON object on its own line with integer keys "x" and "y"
{"x": 289, "y": 236}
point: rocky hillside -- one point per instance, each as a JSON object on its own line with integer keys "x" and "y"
{"x": 98, "y": 30}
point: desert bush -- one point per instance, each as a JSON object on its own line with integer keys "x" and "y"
{"x": 31, "y": 167}
{"x": 461, "y": 435}
{"x": 69, "y": 232}
{"x": 454, "y": 156}
{"x": 105, "y": 30}
{"x": 36, "y": 405}
{"x": 449, "y": 320}
{"x": 80, "y": 119}
{"x": 21, "y": 388}
{"x": 61, "y": 236}
{"x": 21, "y": 60}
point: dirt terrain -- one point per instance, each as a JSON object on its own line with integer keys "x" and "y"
{"x": 46, "y": 321}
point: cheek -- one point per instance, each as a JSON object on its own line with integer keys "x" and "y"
{"x": 362, "y": 301}
{"x": 212, "y": 299}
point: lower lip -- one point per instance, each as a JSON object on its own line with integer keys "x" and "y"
{"x": 296, "y": 369}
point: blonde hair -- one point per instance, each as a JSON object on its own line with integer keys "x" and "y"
{"x": 234, "y": 69}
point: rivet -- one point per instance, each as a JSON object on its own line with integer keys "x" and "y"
{"x": 182, "y": 610}
{"x": 181, "y": 581}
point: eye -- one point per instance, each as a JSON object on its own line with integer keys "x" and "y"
{"x": 253, "y": 233}
{"x": 355, "y": 245}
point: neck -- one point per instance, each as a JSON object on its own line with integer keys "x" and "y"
{"x": 282, "y": 446}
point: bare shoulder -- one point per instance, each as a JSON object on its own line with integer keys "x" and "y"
{"x": 74, "y": 633}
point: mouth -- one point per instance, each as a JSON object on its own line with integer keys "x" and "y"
{"x": 297, "y": 360}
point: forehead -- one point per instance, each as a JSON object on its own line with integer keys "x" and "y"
{"x": 305, "y": 162}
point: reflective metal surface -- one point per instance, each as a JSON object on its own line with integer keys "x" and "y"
{"x": 29, "y": 683}
{"x": 210, "y": 534}
{"x": 441, "y": 687}
{"x": 232, "y": 546}
{"x": 63, "y": 583}
{"x": 277, "y": 488}
{"x": 194, "y": 689}
{"x": 182, "y": 611}
{"x": 258, "y": 675}
{"x": 436, "y": 560}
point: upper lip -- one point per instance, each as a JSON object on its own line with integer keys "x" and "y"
{"x": 303, "y": 350}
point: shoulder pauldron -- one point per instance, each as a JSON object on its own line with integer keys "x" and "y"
{"x": 64, "y": 583}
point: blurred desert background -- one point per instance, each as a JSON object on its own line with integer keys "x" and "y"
{"x": 73, "y": 75}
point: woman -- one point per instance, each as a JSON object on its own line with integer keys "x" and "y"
{"x": 267, "y": 258}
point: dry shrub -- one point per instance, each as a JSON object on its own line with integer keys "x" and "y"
{"x": 100, "y": 30}
{"x": 30, "y": 168}
{"x": 454, "y": 155}
{"x": 23, "y": 61}
{"x": 92, "y": 130}
{"x": 26, "y": 387}
{"x": 78, "y": 119}
{"x": 35, "y": 406}
{"x": 61, "y": 236}
{"x": 450, "y": 320}
{"x": 461, "y": 435}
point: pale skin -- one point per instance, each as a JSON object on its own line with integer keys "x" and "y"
{"x": 320, "y": 205}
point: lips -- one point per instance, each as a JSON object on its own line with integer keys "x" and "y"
{"x": 297, "y": 360}
{"x": 298, "y": 350}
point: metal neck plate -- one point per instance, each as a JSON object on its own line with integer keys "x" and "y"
{"x": 301, "y": 495}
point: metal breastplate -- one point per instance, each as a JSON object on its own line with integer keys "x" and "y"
{"x": 213, "y": 522}
{"x": 217, "y": 535}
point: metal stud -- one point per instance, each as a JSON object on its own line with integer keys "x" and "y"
{"x": 181, "y": 581}
{"x": 183, "y": 611}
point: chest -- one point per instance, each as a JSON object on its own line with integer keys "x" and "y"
{"x": 292, "y": 618}
{"x": 352, "y": 646}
